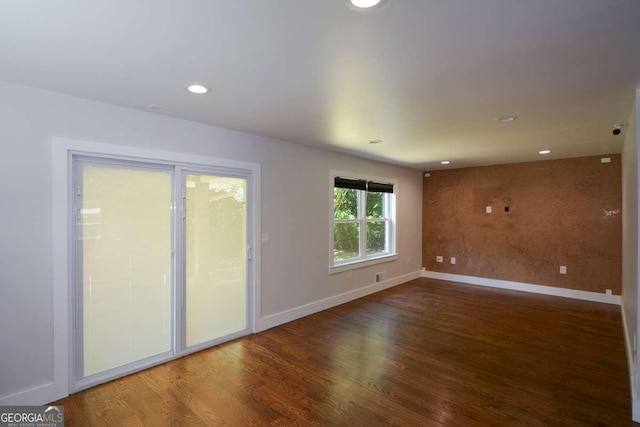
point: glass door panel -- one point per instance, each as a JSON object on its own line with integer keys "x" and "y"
{"x": 215, "y": 256}
{"x": 124, "y": 265}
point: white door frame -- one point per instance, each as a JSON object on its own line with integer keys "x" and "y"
{"x": 63, "y": 150}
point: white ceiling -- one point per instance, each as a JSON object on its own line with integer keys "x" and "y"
{"x": 428, "y": 77}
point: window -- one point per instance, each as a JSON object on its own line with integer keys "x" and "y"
{"x": 363, "y": 221}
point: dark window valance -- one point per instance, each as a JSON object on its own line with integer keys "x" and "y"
{"x": 361, "y": 184}
{"x": 378, "y": 187}
{"x": 354, "y": 184}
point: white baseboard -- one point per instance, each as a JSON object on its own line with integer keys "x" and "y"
{"x": 286, "y": 316}
{"x": 628, "y": 343}
{"x": 39, "y": 395}
{"x": 525, "y": 287}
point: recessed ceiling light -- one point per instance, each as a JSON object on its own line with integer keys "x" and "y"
{"x": 199, "y": 89}
{"x": 365, "y": 4}
{"x": 445, "y": 162}
{"x": 506, "y": 119}
{"x": 544, "y": 151}
{"x": 375, "y": 141}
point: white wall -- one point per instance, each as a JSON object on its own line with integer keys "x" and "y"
{"x": 630, "y": 281}
{"x": 295, "y": 197}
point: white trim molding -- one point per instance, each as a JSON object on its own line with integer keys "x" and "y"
{"x": 45, "y": 393}
{"x": 524, "y": 287}
{"x": 628, "y": 343}
{"x": 361, "y": 264}
{"x": 286, "y": 316}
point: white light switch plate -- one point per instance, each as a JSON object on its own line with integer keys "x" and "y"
{"x": 563, "y": 269}
{"x": 453, "y": 260}
{"x": 488, "y": 209}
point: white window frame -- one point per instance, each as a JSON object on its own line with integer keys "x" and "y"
{"x": 364, "y": 260}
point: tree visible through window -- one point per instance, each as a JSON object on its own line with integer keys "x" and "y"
{"x": 361, "y": 219}
{"x": 346, "y": 231}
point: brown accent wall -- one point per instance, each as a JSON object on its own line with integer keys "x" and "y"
{"x": 561, "y": 212}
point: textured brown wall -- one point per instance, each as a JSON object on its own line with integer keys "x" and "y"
{"x": 561, "y": 212}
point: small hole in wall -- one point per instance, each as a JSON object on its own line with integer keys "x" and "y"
{"x": 506, "y": 208}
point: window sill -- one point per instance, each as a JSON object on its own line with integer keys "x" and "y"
{"x": 362, "y": 263}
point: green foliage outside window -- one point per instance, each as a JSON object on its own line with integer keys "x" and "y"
{"x": 346, "y": 236}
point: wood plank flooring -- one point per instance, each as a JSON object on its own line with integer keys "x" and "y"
{"x": 426, "y": 353}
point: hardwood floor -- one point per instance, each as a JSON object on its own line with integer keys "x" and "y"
{"x": 426, "y": 353}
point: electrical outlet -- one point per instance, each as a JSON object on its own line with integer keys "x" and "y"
{"x": 563, "y": 269}
{"x": 609, "y": 292}
{"x": 380, "y": 276}
{"x": 453, "y": 260}
{"x": 488, "y": 209}
{"x": 439, "y": 258}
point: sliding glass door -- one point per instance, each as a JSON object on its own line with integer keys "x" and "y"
{"x": 124, "y": 265}
{"x": 151, "y": 283}
{"x": 216, "y": 257}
